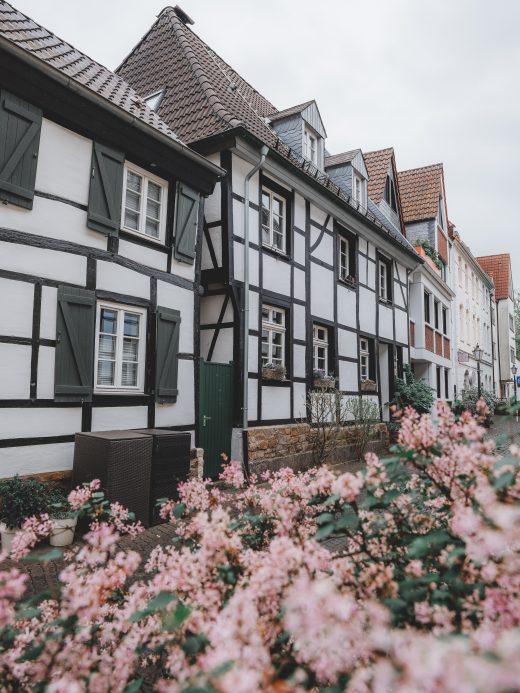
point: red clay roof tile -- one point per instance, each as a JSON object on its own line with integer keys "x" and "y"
{"x": 499, "y": 269}
{"x": 420, "y": 190}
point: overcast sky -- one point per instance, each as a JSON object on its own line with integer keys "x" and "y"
{"x": 439, "y": 80}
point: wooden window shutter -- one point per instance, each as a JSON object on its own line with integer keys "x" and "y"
{"x": 186, "y": 223}
{"x": 106, "y": 189}
{"x": 20, "y": 127}
{"x": 75, "y": 334}
{"x": 167, "y": 366}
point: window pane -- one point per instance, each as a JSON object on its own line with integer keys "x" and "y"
{"x": 108, "y": 322}
{"x": 277, "y": 207}
{"x": 153, "y": 209}
{"x": 265, "y": 314}
{"x": 130, "y": 349}
{"x": 152, "y": 227}
{"x": 277, "y": 317}
{"x": 154, "y": 191}
{"x": 105, "y": 372}
{"x": 131, "y": 220}
{"x": 107, "y": 347}
{"x": 134, "y": 182}
{"x": 129, "y": 375}
{"x": 131, "y": 325}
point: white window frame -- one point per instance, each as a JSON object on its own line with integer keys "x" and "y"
{"x": 273, "y": 328}
{"x": 364, "y": 359}
{"x": 358, "y": 181}
{"x": 274, "y": 196}
{"x": 317, "y": 343}
{"x": 147, "y": 177}
{"x": 122, "y": 308}
{"x": 383, "y": 280}
{"x": 344, "y": 257}
{"x": 310, "y": 152}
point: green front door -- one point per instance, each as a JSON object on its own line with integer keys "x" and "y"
{"x": 215, "y": 421}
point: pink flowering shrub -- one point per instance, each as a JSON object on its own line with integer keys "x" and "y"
{"x": 422, "y": 591}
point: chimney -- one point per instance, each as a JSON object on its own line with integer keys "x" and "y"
{"x": 181, "y": 14}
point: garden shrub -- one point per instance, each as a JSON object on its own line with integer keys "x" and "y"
{"x": 410, "y": 392}
{"x": 422, "y": 592}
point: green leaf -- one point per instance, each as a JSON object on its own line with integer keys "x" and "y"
{"x": 32, "y": 653}
{"x": 134, "y": 686}
{"x": 332, "y": 499}
{"x": 194, "y": 644}
{"x": 173, "y": 620}
{"x": 324, "y": 531}
{"x": 324, "y": 517}
{"x": 222, "y": 669}
{"x": 348, "y": 520}
{"x": 179, "y": 510}
{"x": 504, "y": 480}
{"x": 156, "y": 604}
{"x": 52, "y": 555}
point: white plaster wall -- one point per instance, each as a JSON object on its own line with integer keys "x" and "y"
{"x": 215, "y": 235}
{"x": 371, "y": 250}
{"x": 276, "y": 402}
{"x": 325, "y": 250}
{"x": 15, "y": 373}
{"x": 348, "y": 376}
{"x": 36, "y": 459}
{"x": 254, "y": 310}
{"x": 298, "y": 321}
{"x": 112, "y": 277}
{"x": 362, "y": 245}
{"x": 210, "y": 307}
{"x": 16, "y": 308}
{"x": 64, "y": 162}
{"x": 182, "y": 412}
{"x": 299, "y": 396}
{"x": 115, "y": 418}
{"x": 347, "y": 343}
{"x": 322, "y": 292}
{"x": 299, "y": 284}
{"x": 362, "y": 268}
{"x": 238, "y": 220}
{"x": 48, "y": 312}
{"x": 346, "y": 306}
{"x": 35, "y": 422}
{"x": 299, "y": 211}
{"x": 401, "y": 326}
{"x": 45, "y": 384}
{"x": 318, "y": 215}
{"x": 399, "y": 295}
{"x": 252, "y": 399}
{"x": 299, "y": 248}
{"x": 386, "y": 328}
{"x": 223, "y": 352}
{"x": 39, "y": 262}
{"x": 146, "y": 256}
{"x": 299, "y": 361}
{"x": 238, "y": 250}
{"x": 367, "y": 311}
{"x": 212, "y": 205}
{"x": 371, "y": 274}
{"x": 240, "y": 169}
{"x": 253, "y": 354}
{"x": 171, "y": 296}
{"x": 276, "y": 275}
{"x": 53, "y": 219}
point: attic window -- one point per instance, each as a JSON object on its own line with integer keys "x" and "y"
{"x": 358, "y": 190}
{"x": 310, "y": 146}
{"x": 390, "y": 197}
{"x": 154, "y": 100}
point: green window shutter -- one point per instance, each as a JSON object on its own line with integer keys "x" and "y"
{"x": 167, "y": 366}
{"x": 106, "y": 189}
{"x": 186, "y": 223}
{"x": 75, "y": 334}
{"x": 20, "y": 127}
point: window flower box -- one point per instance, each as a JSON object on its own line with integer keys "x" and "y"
{"x": 273, "y": 372}
{"x": 322, "y": 380}
{"x": 368, "y": 386}
{"x": 349, "y": 280}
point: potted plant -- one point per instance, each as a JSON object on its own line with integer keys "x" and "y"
{"x": 19, "y": 499}
{"x": 368, "y": 385}
{"x": 321, "y": 379}
{"x": 63, "y": 519}
{"x": 273, "y": 371}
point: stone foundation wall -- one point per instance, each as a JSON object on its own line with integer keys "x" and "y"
{"x": 290, "y": 445}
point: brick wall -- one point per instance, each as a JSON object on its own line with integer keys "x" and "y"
{"x": 272, "y": 447}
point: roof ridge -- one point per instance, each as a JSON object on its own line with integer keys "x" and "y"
{"x": 379, "y": 151}
{"x": 421, "y": 168}
{"x": 210, "y": 94}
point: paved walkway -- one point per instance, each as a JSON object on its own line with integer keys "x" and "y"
{"x": 43, "y": 575}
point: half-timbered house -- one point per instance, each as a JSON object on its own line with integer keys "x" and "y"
{"x": 302, "y": 275}
{"x": 99, "y": 216}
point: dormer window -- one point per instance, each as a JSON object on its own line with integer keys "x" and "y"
{"x": 310, "y": 146}
{"x": 153, "y": 100}
{"x": 358, "y": 190}
{"x": 440, "y": 215}
{"x": 390, "y": 196}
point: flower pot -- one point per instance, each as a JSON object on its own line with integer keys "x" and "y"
{"x": 324, "y": 382}
{"x": 62, "y": 533}
{"x": 368, "y": 386}
{"x": 273, "y": 374}
{"x": 7, "y": 536}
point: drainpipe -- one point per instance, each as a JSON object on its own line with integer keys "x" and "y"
{"x": 245, "y": 369}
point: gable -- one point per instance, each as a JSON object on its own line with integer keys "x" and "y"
{"x": 311, "y": 116}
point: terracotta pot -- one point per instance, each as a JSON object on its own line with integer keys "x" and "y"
{"x": 324, "y": 382}
{"x": 368, "y": 386}
{"x": 62, "y": 533}
{"x": 272, "y": 374}
{"x": 7, "y": 536}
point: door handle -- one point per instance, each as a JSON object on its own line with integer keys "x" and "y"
{"x": 204, "y": 419}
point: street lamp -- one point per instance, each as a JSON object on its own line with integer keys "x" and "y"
{"x": 477, "y": 355}
{"x": 514, "y": 371}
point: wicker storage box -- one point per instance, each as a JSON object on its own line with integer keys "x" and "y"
{"x": 170, "y": 465}
{"x": 122, "y": 461}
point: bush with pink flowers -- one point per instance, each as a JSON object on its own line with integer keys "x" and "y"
{"x": 421, "y": 594}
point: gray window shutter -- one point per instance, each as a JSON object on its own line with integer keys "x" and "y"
{"x": 106, "y": 189}
{"x": 75, "y": 334}
{"x": 167, "y": 366}
{"x": 186, "y": 223}
{"x": 20, "y": 126}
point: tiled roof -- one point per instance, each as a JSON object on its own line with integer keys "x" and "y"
{"x": 377, "y": 167}
{"x": 203, "y": 96}
{"x": 343, "y": 158}
{"x": 420, "y": 189}
{"x": 499, "y": 269}
{"x": 20, "y": 30}
{"x": 290, "y": 111}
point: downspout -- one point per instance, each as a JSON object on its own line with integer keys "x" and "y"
{"x": 245, "y": 362}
